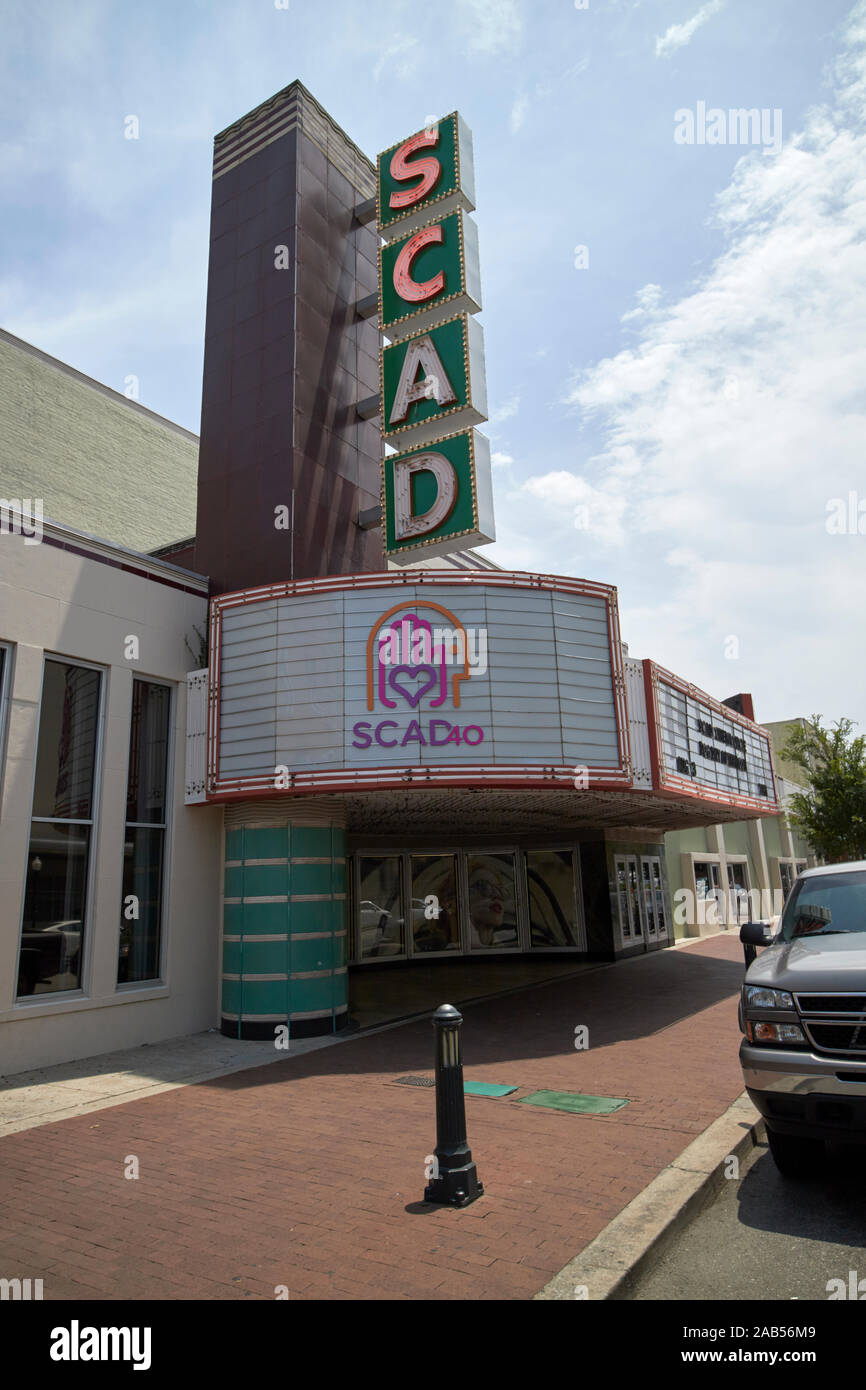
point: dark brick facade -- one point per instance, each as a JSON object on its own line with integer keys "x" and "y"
{"x": 286, "y": 357}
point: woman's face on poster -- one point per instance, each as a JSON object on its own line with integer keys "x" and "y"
{"x": 486, "y": 898}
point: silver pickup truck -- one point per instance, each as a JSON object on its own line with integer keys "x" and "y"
{"x": 803, "y": 1016}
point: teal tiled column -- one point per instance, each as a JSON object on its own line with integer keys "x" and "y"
{"x": 284, "y": 930}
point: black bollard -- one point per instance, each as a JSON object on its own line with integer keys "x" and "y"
{"x": 457, "y": 1180}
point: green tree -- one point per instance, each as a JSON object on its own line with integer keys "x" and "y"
{"x": 831, "y": 812}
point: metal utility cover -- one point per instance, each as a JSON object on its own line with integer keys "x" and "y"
{"x": 486, "y": 1088}
{"x": 573, "y": 1102}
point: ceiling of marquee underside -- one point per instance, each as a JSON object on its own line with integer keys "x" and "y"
{"x": 465, "y": 809}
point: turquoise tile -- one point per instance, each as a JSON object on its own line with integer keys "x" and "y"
{"x": 270, "y": 842}
{"x": 264, "y": 957}
{"x": 311, "y": 878}
{"x": 265, "y": 997}
{"x": 232, "y": 957}
{"x": 311, "y": 842}
{"x": 233, "y": 918}
{"x": 311, "y": 955}
{"x": 307, "y": 995}
{"x": 234, "y": 883}
{"x": 234, "y": 844}
{"x": 260, "y": 918}
{"x": 265, "y": 880}
{"x": 305, "y": 917}
{"x": 231, "y": 996}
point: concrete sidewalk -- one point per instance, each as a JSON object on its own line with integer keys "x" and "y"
{"x": 308, "y": 1172}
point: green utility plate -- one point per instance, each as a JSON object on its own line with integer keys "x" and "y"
{"x": 573, "y": 1102}
{"x": 486, "y": 1088}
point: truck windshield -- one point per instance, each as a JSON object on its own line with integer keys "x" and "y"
{"x": 826, "y": 905}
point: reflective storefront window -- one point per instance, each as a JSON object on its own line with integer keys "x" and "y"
{"x": 55, "y": 898}
{"x": 550, "y": 891}
{"x": 144, "y": 841}
{"x": 415, "y": 905}
{"x": 492, "y": 901}
{"x": 434, "y": 916}
{"x": 380, "y": 907}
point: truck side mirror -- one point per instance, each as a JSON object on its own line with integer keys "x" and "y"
{"x": 752, "y": 935}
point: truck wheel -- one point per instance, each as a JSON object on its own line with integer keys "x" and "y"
{"x": 794, "y": 1156}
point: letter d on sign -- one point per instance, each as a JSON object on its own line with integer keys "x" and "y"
{"x": 405, "y": 523}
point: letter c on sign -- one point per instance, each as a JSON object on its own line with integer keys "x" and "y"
{"x": 400, "y": 168}
{"x": 406, "y": 287}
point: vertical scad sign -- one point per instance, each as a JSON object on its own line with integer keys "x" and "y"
{"x": 437, "y": 491}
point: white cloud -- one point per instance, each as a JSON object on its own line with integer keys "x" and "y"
{"x": 492, "y": 26}
{"x": 737, "y": 415}
{"x": 518, "y": 113}
{"x": 648, "y": 300}
{"x": 504, "y": 412}
{"x": 598, "y": 511}
{"x": 500, "y": 460}
{"x": 678, "y": 35}
{"x": 398, "y": 58}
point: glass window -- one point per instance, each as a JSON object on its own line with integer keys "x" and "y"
{"x": 67, "y": 742}
{"x": 55, "y": 897}
{"x": 491, "y": 885}
{"x": 433, "y": 906}
{"x": 658, "y": 888}
{"x": 550, "y": 891}
{"x": 649, "y": 901}
{"x": 827, "y": 905}
{"x": 634, "y": 891}
{"x": 622, "y": 900}
{"x": 738, "y": 885}
{"x": 380, "y": 901}
{"x": 144, "y": 841}
{"x": 786, "y": 874}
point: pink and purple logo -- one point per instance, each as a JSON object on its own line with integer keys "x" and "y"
{"x": 413, "y": 665}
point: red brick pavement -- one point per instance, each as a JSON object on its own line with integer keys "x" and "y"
{"x": 309, "y": 1172}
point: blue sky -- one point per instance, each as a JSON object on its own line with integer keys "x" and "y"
{"x": 675, "y": 418}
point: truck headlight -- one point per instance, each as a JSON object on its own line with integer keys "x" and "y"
{"x": 757, "y": 997}
{"x": 774, "y": 1032}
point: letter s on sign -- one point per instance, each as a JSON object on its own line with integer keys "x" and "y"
{"x": 400, "y": 169}
{"x": 362, "y": 738}
{"x": 406, "y": 287}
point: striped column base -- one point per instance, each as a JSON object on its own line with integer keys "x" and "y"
{"x": 263, "y": 1029}
{"x": 284, "y": 924}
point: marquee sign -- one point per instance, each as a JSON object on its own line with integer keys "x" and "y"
{"x": 370, "y": 681}
{"x": 432, "y": 371}
{"x": 705, "y": 749}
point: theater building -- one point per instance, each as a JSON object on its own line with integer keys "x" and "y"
{"x": 369, "y": 766}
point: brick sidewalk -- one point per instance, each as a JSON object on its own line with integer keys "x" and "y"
{"x": 310, "y": 1172}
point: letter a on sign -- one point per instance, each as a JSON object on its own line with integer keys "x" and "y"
{"x": 421, "y": 355}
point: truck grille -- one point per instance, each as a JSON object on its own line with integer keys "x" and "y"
{"x": 834, "y": 1023}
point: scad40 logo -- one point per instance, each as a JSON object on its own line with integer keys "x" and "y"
{"x": 415, "y": 667}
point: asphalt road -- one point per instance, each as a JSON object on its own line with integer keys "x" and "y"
{"x": 769, "y": 1237}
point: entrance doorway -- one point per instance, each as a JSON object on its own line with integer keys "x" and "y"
{"x": 640, "y": 898}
